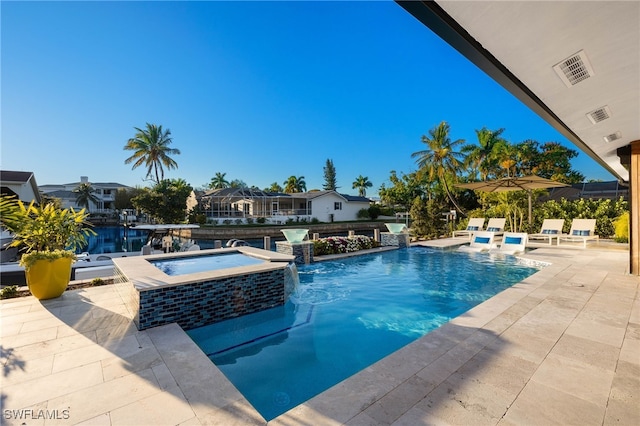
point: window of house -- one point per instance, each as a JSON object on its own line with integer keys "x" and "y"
{"x": 337, "y": 205}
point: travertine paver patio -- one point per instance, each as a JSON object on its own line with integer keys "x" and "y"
{"x": 561, "y": 347}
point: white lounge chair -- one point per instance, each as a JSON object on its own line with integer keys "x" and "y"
{"x": 475, "y": 224}
{"x": 496, "y": 225}
{"x": 582, "y": 230}
{"x": 513, "y": 242}
{"x": 481, "y": 241}
{"x": 550, "y": 229}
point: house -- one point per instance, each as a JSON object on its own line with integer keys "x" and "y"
{"x": 330, "y": 206}
{"x": 240, "y": 204}
{"x": 105, "y": 192}
{"x": 611, "y": 190}
{"x": 20, "y": 184}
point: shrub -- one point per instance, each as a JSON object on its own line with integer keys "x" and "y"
{"x": 374, "y": 211}
{"x": 314, "y": 220}
{"x": 338, "y": 245}
{"x": 249, "y": 221}
{"x": 97, "y": 282}
{"x": 621, "y": 226}
{"x": 363, "y": 214}
{"x": 9, "y": 292}
{"x": 261, "y": 220}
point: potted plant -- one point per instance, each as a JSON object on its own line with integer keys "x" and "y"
{"x": 48, "y": 237}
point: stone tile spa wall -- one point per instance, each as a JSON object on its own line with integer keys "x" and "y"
{"x": 201, "y": 303}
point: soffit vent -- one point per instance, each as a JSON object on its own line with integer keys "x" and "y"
{"x": 599, "y": 114}
{"x": 612, "y": 137}
{"x": 574, "y": 69}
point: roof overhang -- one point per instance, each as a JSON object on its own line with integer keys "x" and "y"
{"x": 518, "y": 44}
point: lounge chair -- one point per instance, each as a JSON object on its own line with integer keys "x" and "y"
{"x": 481, "y": 241}
{"x": 513, "y": 242}
{"x": 582, "y": 230}
{"x": 475, "y": 224}
{"x": 496, "y": 225}
{"x": 550, "y": 229}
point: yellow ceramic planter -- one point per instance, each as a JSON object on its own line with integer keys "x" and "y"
{"x": 49, "y": 278}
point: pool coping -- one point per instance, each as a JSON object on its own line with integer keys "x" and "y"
{"x": 108, "y": 372}
{"x": 145, "y": 276}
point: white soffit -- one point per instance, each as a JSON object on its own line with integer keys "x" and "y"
{"x": 530, "y": 38}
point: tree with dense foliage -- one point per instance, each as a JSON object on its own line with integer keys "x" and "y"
{"x": 166, "y": 201}
{"x": 403, "y": 190}
{"x": 555, "y": 163}
{"x": 85, "y": 194}
{"x": 361, "y": 184}
{"x": 295, "y": 184}
{"x": 151, "y": 148}
{"x": 124, "y": 196}
{"x": 426, "y": 218}
{"x": 274, "y": 187}
{"x": 218, "y": 181}
{"x": 330, "y": 183}
{"x": 440, "y": 159}
{"x": 238, "y": 183}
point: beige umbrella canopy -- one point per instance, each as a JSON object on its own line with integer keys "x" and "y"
{"x": 526, "y": 183}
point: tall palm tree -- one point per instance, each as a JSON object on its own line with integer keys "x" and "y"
{"x": 151, "y": 148}
{"x": 361, "y": 184}
{"x": 482, "y": 157}
{"x": 295, "y": 184}
{"x": 218, "y": 181}
{"x": 440, "y": 160}
{"x": 85, "y": 195}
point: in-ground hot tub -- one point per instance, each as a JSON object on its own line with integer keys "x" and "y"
{"x": 200, "y": 288}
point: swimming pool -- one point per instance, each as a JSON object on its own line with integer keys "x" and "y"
{"x": 344, "y": 316}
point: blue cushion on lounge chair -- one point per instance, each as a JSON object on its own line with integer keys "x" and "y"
{"x": 550, "y": 231}
{"x": 482, "y": 240}
{"x": 492, "y": 229}
{"x": 513, "y": 240}
{"x": 472, "y": 228}
{"x": 582, "y": 233}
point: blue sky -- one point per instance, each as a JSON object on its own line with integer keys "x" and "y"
{"x": 257, "y": 90}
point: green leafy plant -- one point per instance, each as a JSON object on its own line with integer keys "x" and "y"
{"x": 97, "y": 282}
{"x": 9, "y": 292}
{"x": 44, "y": 232}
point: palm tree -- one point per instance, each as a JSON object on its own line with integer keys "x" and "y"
{"x": 151, "y": 148}
{"x": 295, "y": 184}
{"x": 218, "y": 181}
{"x": 361, "y": 184}
{"x": 440, "y": 160}
{"x": 482, "y": 157}
{"x": 84, "y": 195}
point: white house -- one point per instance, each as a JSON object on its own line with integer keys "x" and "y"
{"x": 240, "y": 204}
{"x": 20, "y": 184}
{"x": 105, "y": 192}
{"x": 330, "y": 206}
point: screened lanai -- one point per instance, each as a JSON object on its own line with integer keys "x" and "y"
{"x": 239, "y": 203}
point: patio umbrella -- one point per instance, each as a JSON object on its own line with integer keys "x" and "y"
{"x": 525, "y": 183}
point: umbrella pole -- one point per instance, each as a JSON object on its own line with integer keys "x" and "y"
{"x": 530, "y": 208}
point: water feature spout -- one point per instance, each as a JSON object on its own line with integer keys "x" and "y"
{"x": 294, "y": 235}
{"x": 395, "y": 228}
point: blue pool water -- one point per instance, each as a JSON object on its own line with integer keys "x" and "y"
{"x": 193, "y": 264}
{"x": 347, "y": 314}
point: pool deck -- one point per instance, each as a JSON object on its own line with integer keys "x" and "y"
{"x": 561, "y": 347}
